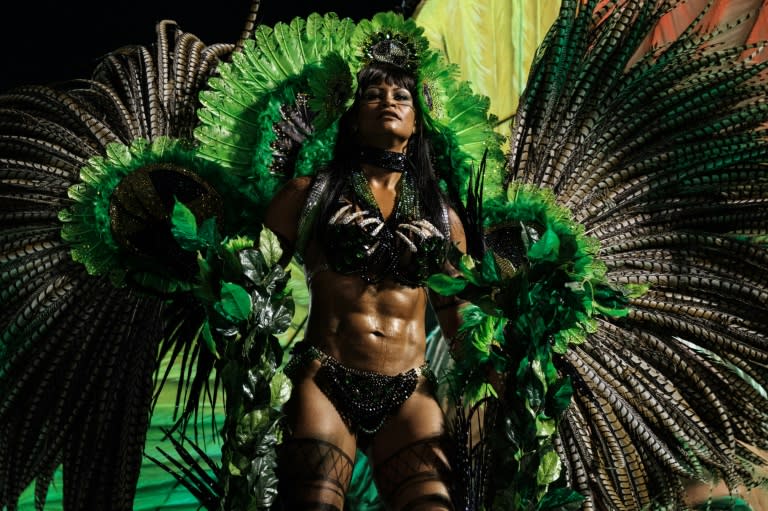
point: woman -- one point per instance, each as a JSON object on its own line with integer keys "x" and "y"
{"x": 369, "y": 230}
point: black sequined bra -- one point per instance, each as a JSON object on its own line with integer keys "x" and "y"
{"x": 358, "y": 241}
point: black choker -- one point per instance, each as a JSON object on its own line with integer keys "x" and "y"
{"x": 385, "y": 159}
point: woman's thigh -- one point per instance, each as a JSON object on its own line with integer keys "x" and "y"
{"x": 310, "y": 414}
{"x": 409, "y": 457}
{"x": 318, "y": 452}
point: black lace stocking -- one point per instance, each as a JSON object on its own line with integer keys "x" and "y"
{"x": 407, "y": 479}
{"x": 314, "y": 475}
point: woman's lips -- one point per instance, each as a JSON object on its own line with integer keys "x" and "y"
{"x": 389, "y": 114}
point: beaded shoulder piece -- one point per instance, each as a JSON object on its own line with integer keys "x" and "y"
{"x": 309, "y": 212}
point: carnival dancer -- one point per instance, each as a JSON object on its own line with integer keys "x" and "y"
{"x": 369, "y": 229}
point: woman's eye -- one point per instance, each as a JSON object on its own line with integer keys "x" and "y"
{"x": 376, "y": 95}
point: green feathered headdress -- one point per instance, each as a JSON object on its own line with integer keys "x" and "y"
{"x": 272, "y": 113}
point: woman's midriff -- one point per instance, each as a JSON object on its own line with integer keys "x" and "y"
{"x": 374, "y": 327}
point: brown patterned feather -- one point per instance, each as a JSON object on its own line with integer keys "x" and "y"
{"x": 77, "y": 355}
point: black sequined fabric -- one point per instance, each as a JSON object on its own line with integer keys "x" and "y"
{"x": 364, "y": 399}
{"x": 376, "y": 252}
{"x": 384, "y": 159}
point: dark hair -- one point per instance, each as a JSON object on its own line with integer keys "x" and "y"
{"x": 346, "y": 150}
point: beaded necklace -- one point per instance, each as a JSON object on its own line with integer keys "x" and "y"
{"x": 389, "y": 160}
{"x": 406, "y": 205}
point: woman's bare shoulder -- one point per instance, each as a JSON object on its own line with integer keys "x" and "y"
{"x": 283, "y": 213}
{"x": 298, "y": 186}
{"x": 292, "y": 194}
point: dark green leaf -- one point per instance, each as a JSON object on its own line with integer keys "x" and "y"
{"x": 561, "y": 343}
{"x": 529, "y": 373}
{"x": 205, "y": 290}
{"x": 547, "y": 248}
{"x": 545, "y": 427}
{"x": 549, "y": 468}
{"x": 250, "y": 427}
{"x": 282, "y": 319}
{"x": 235, "y": 302}
{"x": 263, "y": 481}
{"x": 256, "y": 389}
{"x": 446, "y": 285}
{"x": 210, "y": 343}
{"x": 253, "y": 264}
{"x": 231, "y": 377}
{"x": 724, "y": 504}
{"x": 489, "y": 269}
{"x": 559, "y": 398}
{"x": 508, "y": 499}
{"x": 208, "y": 233}
{"x": 512, "y": 432}
{"x": 275, "y": 280}
{"x": 228, "y": 332}
{"x": 269, "y": 246}
{"x": 269, "y": 317}
{"x": 274, "y": 355}
{"x": 280, "y": 390}
{"x": 560, "y": 499}
{"x": 468, "y": 269}
{"x": 184, "y": 227}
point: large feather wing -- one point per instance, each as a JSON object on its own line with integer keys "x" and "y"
{"x": 77, "y": 354}
{"x": 662, "y": 158}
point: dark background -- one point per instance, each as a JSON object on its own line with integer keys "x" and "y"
{"x": 48, "y": 41}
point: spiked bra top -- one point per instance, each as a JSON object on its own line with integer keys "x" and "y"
{"x": 358, "y": 240}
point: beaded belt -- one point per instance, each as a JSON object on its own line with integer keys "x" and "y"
{"x": 364, "y": 399}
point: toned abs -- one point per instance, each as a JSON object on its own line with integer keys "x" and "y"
{"x": 376, "y": 327}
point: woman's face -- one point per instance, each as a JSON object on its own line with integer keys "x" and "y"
{"x": 386, "y": 117}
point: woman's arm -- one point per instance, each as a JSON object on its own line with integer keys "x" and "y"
{"x": 448, "y": 308}
{"x": 284, "y": 212}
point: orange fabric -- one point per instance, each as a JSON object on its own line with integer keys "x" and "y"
{"x": 748, "y": 20}
{"x": 759, "y": 32}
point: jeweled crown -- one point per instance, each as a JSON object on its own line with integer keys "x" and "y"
{"x": 393, "y": 49}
